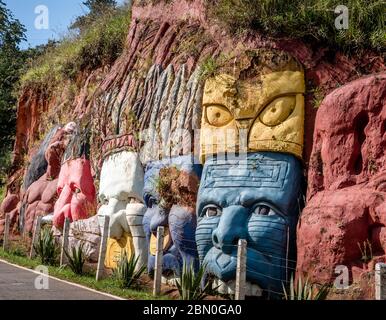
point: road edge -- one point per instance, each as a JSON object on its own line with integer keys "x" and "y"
{"x": 64, "y": 281}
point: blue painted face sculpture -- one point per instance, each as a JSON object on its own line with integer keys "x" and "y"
{"x": 257, "y": 199}
{"x": 179, "y": 221}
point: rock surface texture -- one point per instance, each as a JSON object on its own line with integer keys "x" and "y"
{"x": 346, "y": 206}
{"x": 154, "y": 91}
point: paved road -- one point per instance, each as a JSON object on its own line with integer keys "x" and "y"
{"x": 19, "y": 284}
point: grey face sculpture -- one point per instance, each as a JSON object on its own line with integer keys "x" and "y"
{"x": 256, "y": 199}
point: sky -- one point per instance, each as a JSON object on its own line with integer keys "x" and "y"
{"x": 60, "y": 14}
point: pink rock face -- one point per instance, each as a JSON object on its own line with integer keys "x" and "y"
{"x": 77, "y": 199}
{"x": 346, "y": 182}
{"x": 41, "y": 195}
{"x": 9, "y": 206}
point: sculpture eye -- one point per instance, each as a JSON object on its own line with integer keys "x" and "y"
{"x": 218, "y": 115}
{"x": 264, "y": 210}
{"x": 212, "y": 211}
{"x": 152, "y": 202}
{"x": 103, "y": 200}
{"x": 278, "y": 111}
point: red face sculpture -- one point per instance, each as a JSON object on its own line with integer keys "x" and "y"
{"x": 40, "y": 196}
{"x": 76, "y": 192}
{"x": 346, "y": 209}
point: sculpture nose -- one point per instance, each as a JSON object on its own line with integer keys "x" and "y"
{"x": 244, "y": 124}
{"x": 231, "y": 228}
{"x": 160, "y": 218}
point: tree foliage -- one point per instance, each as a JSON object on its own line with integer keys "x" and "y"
{"x": 96, "y": 8}
{"x": 11, "y": 62}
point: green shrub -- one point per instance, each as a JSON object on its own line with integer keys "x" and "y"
{"x": 305, "y": 291}
{"x": 126, "y": 273}
{"x": 98, "y": 45}
{"x": 3, "y": 190}
{"x": 76, "y": 259}
{"x": 308, "y": 19}
{"x": 18, "y": 248}
{"x": 46, "y": 248}
{"x": 190, "y": 284}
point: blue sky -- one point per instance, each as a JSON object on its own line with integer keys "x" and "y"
{"x": 60, "y": 12}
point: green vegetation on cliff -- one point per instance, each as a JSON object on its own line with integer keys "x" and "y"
{"x": 97, "y": 43}
{"x": 11, "y": 61}
{"x": 311, "y": 20}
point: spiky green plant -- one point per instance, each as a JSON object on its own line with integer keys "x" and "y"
{"x": 126, "y": 273}
{"x": 76, "y": 259}
{"x": 190, "y": 284}
{"x": 305, "y": 290}
{"x": 46, "y": 248}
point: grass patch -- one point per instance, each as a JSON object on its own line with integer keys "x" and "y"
{"x": 3, "y": 190}
{"x": 98, "y": 45}
{"x": 108, "y": 285}
{"x": 312, "y": 20}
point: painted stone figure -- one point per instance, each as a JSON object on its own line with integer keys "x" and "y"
{"x": 167, "y": 111}
{"x": 40, "y": 196}
{"x": 257, "y": 104}
{"x": 251, "y": 188}
{"x": 256, "y": 199}
{"x": 171, "y": 187}
{"x": 75, "y": 189}
{"x": 120, "y": 193}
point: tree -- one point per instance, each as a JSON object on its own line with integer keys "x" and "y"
{"x": 97, "y": 8}
{"x": 12, "y": 32}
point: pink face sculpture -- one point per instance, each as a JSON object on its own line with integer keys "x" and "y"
{"x": 346, "y": 208}
{"x": 76, "y": 191}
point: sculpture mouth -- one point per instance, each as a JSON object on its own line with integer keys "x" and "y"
{"x": 251, "y": 289}
{"x": 260, "y": 271}
{"x": 167, "y": 243}
{"x": 221, "y": 265}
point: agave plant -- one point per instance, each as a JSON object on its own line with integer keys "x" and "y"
{"x": 46, "y": 248}
{"x": 190, "y": 284}
{"x": 305, "y": 290}
{"x": 76, "y": 259}
{"x": 126, "y": 273}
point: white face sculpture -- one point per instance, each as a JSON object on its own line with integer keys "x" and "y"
{"x": 120, "y": 192}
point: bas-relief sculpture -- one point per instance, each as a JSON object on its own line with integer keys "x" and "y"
{"x": 75, "y": 189}
{"x": 251, "y": 186}
{"x": 40, "y": 195}
{"x": 176, "y": 216}
{"x": 265, "y": 112}
{"x": 168, "y": 114}
{"x": 76, "y": 192}
{"x": 120, "y": 193}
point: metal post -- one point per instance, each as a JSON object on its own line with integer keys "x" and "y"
{"x": 380, "y": 281}
{"x": 158, "y": 261}
{"x": 241, "y": 271}
{"x": 36, "y": 236}
{"x": 6, "y": 232}
{"x": 102, "y": 249}
{"x": 66, "y": 231}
